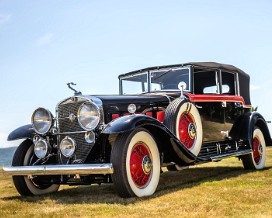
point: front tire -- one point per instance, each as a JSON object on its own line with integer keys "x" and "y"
{"x": 25, "y": 186}
{"x": 256, "y": 160}
{"x": 136, "y": 163}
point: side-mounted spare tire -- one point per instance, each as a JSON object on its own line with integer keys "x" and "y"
{"x": 182, "y": 119}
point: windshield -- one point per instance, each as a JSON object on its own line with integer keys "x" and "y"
{"x": 135, "y": 84}
{"x": 164, "y": 79}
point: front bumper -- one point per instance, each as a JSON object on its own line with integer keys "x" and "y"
{"x": 75, "y": 169}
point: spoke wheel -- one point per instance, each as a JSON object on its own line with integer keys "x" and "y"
{"x": 257, "y": 150}
{"x": 187, "y": 130}
{"x": 136, "y": 163}
{"x": 140, "y": 165}
{"x": 256, "y": 160}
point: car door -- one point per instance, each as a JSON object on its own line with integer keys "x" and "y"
{"x": 209, "y": 103}
{"x": 234, "y": 102}
{"x": 216, "y": 96}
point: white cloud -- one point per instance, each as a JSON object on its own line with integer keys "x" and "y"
{"x": 44, "y": 40}
{"x": 4, "y": 18}
{"x": 254, "y": 88}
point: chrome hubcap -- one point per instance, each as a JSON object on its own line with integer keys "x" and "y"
{"x": 260, "y": 149}
{"x": 191, "y": 130}
{"x": 147, "y": 165}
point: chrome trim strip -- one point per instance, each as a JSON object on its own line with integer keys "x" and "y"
{"x": 217, "y": 81}
{"x": 73, "y": 169}
{"x": 237, "y": 85}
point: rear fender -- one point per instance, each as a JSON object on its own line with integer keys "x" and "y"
{"x": 244, "y": 126}
{"x": 167, "y": 142}
{"x": 22, "y": 132}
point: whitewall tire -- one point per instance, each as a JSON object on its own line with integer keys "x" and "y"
{"x": 256, "y": 160}
{"x": 136, "y": 162}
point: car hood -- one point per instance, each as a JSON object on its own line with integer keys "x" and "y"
{"x": 142, "y": 99}
{"x": 118, "y": 104}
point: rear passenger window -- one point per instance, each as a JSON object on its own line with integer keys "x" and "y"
{"x": 205, "y": 82}
{"x": 228, "y": 83}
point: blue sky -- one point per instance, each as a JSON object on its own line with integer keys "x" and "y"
{"x": 45, "y": 44}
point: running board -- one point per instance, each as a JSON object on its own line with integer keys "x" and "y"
{"x": 235, "y": 154}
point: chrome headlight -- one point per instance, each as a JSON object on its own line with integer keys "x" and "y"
{"x": 41, "y": 148}
{"x": 67, "y": 146}
{"x": 42, "y": 120}
{"x": 88, "y": 116}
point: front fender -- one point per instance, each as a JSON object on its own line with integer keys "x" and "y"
{"x": 167, "y": 141}
{"x": 22, "y": 132}
{"x": 244, "y": 126}
{"x": 130, "y": 122}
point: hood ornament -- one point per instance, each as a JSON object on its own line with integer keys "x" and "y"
{"x": 73, "y": 84}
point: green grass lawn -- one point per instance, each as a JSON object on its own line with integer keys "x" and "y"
{"x": 211, "y": 190}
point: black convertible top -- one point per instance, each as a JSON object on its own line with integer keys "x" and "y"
{"x": 244, "y": 78}
{"x": 215, "y": 65}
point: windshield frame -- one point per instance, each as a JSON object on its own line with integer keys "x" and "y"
{"x": 148, "y": 72}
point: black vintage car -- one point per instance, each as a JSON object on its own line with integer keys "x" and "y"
{"x": 172, "y": 116}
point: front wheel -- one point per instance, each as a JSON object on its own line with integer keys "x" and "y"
{"x": 256, "y": 160}
{"x": 136, "y": 163}
{"x": 38, "y": 185}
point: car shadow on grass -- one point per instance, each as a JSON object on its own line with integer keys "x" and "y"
{"x": 169, "y": 182}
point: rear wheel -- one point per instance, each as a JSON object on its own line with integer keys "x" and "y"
{"x": 24, "y": 156}
{"x": 256, "y": 160}
{"x": 136, "y": 163}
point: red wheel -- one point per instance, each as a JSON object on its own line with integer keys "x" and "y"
{"x": 257, "y": 150}
{"x": 256, "y": 160}
{"x": 136, "y": 163}
{"x": 140, "y": 165}
{"x": 183, "y": 119}
{"x": 187, "y": 131}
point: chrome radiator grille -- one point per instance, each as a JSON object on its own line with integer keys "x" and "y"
{"x": 64, "y": 123}
{"x": 67, "y": 126}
